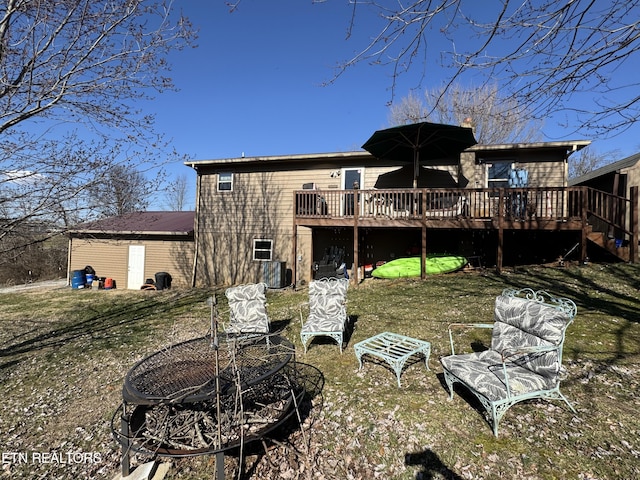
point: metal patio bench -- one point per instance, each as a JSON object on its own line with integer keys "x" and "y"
{"x": 525, "y": 358}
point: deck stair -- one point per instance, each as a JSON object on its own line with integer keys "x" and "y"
{"x": 603, "y": 240}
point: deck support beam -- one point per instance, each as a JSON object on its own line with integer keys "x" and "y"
{"x": 635, "y": 229}
{"x": 423, "y": 265}
{"x": 585, "y": 227}
{"x": 294, "y": 241}
{"x": 423, "y": 254}
{"x": 500, "y": 251}
{"x": 355, "y": 272}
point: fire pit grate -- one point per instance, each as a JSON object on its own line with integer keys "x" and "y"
{"x": 185, "y": 372}
{"x": 171, "y": 406}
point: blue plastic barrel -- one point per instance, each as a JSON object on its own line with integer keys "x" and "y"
{"x": 78, "y": 279}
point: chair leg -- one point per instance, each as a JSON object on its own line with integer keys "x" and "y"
{"x": 494, "y": 417}
{"x": 449, "y": 383}
{"x": 338, "y": 337}
{"x": 560, "y": 395}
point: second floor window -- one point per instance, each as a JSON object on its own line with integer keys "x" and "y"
{"x": 498, "y": 174}
{"x": 225, "y": 182}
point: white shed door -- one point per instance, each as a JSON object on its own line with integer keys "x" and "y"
{"x": 135, "y": 271}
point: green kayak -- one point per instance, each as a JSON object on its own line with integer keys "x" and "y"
{"x": 410, "y": 267}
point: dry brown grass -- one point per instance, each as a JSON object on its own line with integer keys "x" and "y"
{"x": 64, "y": 354}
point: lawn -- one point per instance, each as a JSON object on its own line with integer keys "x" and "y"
{"x": 64, "y": 353}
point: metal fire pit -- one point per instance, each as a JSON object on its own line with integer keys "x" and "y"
{"x": 170, "y": 401}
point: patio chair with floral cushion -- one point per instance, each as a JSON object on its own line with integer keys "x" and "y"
{"x": 247, "y": 309}
{"x": 327, "y": 310}
{"x": 524, "y": 360}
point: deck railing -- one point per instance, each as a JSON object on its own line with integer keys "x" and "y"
{"x": 580, "y": 208}
{"x": 554, "y": 203}
{"x": 609, "y": 213}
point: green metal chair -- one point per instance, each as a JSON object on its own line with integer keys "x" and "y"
{"x": 327, "y": 310}
{"x": 525, "y": 358}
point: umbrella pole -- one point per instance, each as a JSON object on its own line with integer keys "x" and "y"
{"x": 416, "y": 166}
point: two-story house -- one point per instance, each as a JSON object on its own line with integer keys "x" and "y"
{"x": 271, "y": 218}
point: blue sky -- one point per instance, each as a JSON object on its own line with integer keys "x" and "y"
{"x": 254, "y": 84}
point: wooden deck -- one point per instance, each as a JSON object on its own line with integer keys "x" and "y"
{"x": 583, "y": 209}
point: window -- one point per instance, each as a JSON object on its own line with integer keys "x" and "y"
{"x": 262, "y": 249}
{"x": 225, "y": 182}
{"x": 498, "y": 174}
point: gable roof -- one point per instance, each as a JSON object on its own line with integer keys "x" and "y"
{"x": 567, "y": 146}
{"x": 611, "y": 168}
{"x": 303, "y": 158}
{"x": 352, "y": 158}
{"x": 149, "y": 223}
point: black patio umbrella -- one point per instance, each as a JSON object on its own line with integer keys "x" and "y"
{"x": 422, "y": 143}
{"x": 427, "y": 178}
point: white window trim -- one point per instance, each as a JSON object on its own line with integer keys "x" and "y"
{"x": 230, "y": 182}
{"x": 254, "y": 249}
{"x": 488, "y": 165}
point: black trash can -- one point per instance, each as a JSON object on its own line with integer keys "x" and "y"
{"x": 163, "y": 281}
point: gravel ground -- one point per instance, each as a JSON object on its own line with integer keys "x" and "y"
{"x": 44, "y": 285}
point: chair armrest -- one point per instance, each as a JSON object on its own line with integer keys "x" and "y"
{"x": 508, "y": 353}
{"x": 470, "y": 325}
{"x": 466, "y": 326}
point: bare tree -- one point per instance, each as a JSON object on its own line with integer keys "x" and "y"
{"x": 83, "y": 63}
{"x": 544, "y": 54}
{"x": 84, "y": 60}
{"x": 493, "y": 118}
{"x": 411, "y": 109}
{"x": 177, "y": 193}
{"x": 125, "y": 190}
{"x": 588, "y": 160}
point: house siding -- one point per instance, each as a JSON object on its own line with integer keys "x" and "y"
{"x": 259, "y": 207}
{"x": 110, "y": 258}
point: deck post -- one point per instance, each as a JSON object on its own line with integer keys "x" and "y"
{"x": 613, "y": 206}
{"x": 423, "y": 254}
{"x": 634, "y": 228}
{"x": 584, "y": 205}
{"x": 294, "y": 241}
{"x": 501, "y": 211}
{"x": 355, "y": 273}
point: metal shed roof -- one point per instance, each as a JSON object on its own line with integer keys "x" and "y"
{"x": 150, "y": 223}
